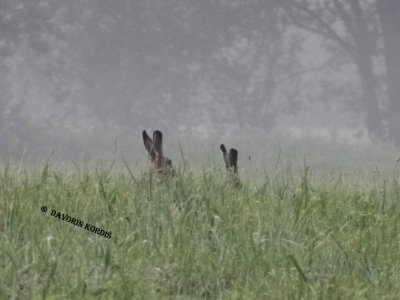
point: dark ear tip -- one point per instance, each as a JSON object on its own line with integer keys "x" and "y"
{"x": 157, "y": 134}
{"x": 222, "y": 147}
{"x": 144, "y": 133}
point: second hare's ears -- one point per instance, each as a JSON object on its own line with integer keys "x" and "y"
{"x": 157, "y": 142}
{"x": 233, "y": 158}
{"x": 230, "y": 158}
{"x": 225, "y": 154}
{"x": 148, "y": 144}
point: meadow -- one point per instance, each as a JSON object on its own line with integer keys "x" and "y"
{"x": 307, "y": 230}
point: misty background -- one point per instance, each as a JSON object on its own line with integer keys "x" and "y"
{"x": 84, "y": 78}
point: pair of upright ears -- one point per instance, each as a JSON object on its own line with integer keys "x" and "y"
{"x": 230, "y": 158}
{"x": 159, "y": 163}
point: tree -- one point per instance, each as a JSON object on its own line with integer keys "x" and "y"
{"x": 155, "y": 59}
{"x": 345, "y": 24}
{"x": 388, "y": 11}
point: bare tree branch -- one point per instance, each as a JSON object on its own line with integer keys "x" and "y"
{"x": 300, "y": 73}
{"x": 325, "y": 29}
{"x": 345, "y": 17}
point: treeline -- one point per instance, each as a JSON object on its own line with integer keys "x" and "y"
{"x": 225, "y": 63}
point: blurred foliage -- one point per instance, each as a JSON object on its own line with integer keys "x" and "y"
{"x": 178, "y": 64}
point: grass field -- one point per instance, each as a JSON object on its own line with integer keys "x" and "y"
{"x": 292, "y": 231}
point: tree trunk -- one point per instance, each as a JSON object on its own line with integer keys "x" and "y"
{"x": 373, "y": 116}
{"x": 364, "y": 51}
{"x": 388, "y": 11}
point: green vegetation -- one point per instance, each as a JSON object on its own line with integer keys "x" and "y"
{"x": 288, "y": 235}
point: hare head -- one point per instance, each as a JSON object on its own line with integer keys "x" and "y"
{"x": 159, "y": 163}
{"x": 231, "y": 159}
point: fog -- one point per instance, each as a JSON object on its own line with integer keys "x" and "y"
{"x": 80, "y": 80}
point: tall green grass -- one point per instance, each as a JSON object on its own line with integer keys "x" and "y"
{"x": 290, "y": 235}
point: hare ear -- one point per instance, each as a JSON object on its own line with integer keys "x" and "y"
{"x": 223, "y": 149}
{"x": 225, "y": 154}
{"x": 233, "y": 158}
{"x": 148, "y": 143}
{"x": 157, "y": 139}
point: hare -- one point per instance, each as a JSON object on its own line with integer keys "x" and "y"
{"x": 159, "y": 163}
{"x": 231, "y": 160}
